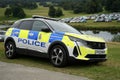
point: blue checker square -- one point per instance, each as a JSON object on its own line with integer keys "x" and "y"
{"x": 15, "y": 32}
{"x": 33, "y": 35}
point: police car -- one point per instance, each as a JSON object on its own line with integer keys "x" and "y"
{"x": 46, "y": 37}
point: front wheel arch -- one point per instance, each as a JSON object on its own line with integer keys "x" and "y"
{"x": 58, "y": 43}
{"x": 58, "y": 55}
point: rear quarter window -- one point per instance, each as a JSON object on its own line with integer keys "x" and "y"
{"x": 16, "y": 24}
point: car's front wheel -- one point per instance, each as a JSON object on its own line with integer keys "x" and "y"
{"x": 58, "y": 56}
{"x": 10, "y": 50}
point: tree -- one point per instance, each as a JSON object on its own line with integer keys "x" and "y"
{"x": 93, "y": 6}
{"x": 112, "y": 6}
{"x": 79, "y": 7}
{"x": 30, "y": 5}
{"x": 18, "y": 12}
{"x": 116, "y": 6}
{"x": 21, "y": 14}
{"x": 67, "y": 5}
{"x": 59, "y": 12}
{"x": 3, "y": 4}
{"x": 52, "y": 11}
{"x": 108, "y": 5}
{"x": 8, "y": 12}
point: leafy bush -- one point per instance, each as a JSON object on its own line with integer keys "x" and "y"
{"x": 8, "y": 12}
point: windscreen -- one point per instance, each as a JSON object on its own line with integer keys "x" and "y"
{"x": 62, "y": 27}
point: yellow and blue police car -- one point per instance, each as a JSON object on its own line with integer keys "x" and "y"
{"x": 45, "y": 37}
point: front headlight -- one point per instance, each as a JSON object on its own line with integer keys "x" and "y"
{"x": 74, "y": 38}
{"x": 78, "y": 40}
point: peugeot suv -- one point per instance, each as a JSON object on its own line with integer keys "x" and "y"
{"x": 58, "y": 41}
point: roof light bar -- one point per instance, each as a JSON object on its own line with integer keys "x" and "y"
{"x": 43, "y": 17}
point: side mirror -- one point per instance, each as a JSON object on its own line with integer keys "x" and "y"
{"x": 46, "y": 30}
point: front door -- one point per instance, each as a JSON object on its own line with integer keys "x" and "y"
{"x": 39, "y": 40}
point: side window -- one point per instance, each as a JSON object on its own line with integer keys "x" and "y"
{"x": 38, "y": 25}
{"x": 16, "y": 24}
{"x": 26, "y": 25}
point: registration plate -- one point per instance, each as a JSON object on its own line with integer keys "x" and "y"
{"x": 100, "y": 52}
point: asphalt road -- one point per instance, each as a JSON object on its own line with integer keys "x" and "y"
{"x": 10, "y": 71}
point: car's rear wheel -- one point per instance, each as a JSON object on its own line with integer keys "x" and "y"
{"x": 58, "y": 56}
{"x": 10, "y": 50}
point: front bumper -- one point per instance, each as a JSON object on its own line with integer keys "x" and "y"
{"x": 89, "y": 54}
{"x": 96, "y": 57}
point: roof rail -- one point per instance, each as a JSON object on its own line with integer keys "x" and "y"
{"x": 43, "y": 17}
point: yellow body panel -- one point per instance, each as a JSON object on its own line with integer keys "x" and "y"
{"x": 23, "y": 34}
{"x": 44, "y": 37}
{"x": 106, "y": 51}
{"x": 68, "y": 42}
{"x": 84, "y": 51}
{"x": 9, "y": 31}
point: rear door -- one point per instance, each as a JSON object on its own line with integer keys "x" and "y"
{"x": 22, "y": 32}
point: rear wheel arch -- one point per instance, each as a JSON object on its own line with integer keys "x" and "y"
{"x": 10, "y": 48}
{"x": 9, "y": 39}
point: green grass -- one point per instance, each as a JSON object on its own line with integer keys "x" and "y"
{"x": 109, "y": 70}
{"x": 43, "y": 11}
{"x": 2, "y": 10}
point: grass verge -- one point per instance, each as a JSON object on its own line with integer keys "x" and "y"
{"x": 109, "y": 70}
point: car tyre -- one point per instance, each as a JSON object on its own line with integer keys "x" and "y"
{"x": 10, "y": 50}
{"x": 58, "y": 56}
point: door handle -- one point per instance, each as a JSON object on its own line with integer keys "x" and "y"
{"x": 40, "y": 36}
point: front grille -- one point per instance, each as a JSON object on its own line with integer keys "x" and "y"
{"x": 95, "y": 56}
{"x": 96, "y": 45}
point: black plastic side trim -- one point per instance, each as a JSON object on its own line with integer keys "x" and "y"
{"x": 32, "y": 53}
{"x": 97, "y": 59}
